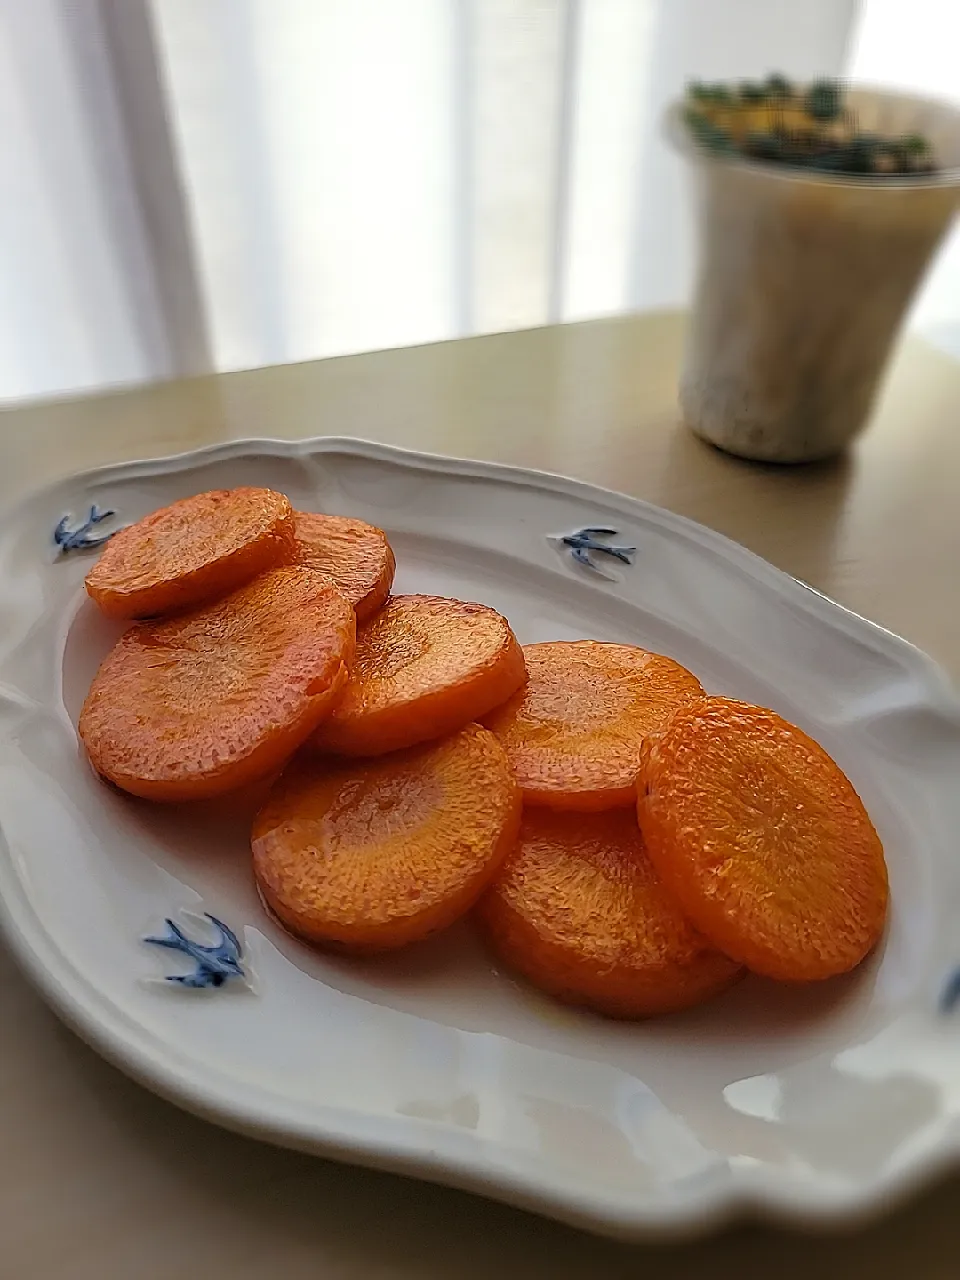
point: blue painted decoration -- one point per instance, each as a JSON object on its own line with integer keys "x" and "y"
{"x": 82, "y": 538}
{"x": 950, "y": 996}
{"x": 215, "y": 965}
{"x": 585, "y": 543}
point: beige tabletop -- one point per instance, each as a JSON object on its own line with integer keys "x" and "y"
{"x": 100, "y": 1180}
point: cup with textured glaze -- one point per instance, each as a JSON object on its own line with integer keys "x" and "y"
{"x": 803, "y": 283}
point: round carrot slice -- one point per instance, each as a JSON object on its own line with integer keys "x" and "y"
{"x": 354, "y": 555}
{"x": 763, "y": 841}
{"x": 579, "y": 910}
{"x": 573, "y": 733}
{"x": 193, "y": 551}
{"x": 375, "y": 854}
{"x": 425, "y": 666}
{"x": 215, "y": 699}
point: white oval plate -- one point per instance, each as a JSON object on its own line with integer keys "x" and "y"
{"x": 811, "y": 1104}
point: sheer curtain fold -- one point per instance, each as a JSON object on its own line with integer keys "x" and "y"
{"x": 75, "y": 304}
{"x": 200, "y": 184}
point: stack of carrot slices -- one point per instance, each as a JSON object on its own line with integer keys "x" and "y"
{"x": 631, "y": 844}
{"x": 263, "y": 630}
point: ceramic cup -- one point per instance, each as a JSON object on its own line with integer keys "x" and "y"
{"x": 803, "y": 282}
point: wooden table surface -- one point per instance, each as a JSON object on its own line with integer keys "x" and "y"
{"x": 98, "y": 1179}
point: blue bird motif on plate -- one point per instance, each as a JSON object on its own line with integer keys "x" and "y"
{"x": 215, "y": 965}
{"x": 585, "y": 543}
{"x": 83, "y": 537}
{"x": 950, "y": 995}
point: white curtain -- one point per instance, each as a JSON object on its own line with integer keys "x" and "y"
{"x": 218, "y": 184}
{"x": 914, "y": 47}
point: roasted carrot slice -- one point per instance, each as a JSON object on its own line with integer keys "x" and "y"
{"x": 215, "y": 699}
{"x": 192, "y": 552}
{"x": 378, "y": 853}
{"x": 762, "y": 840}
{"x": 425, "y": 667}
{"x": 356, "y": 556}
{"x": 573, "y": 733}
{"x": 579, "y": 910}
